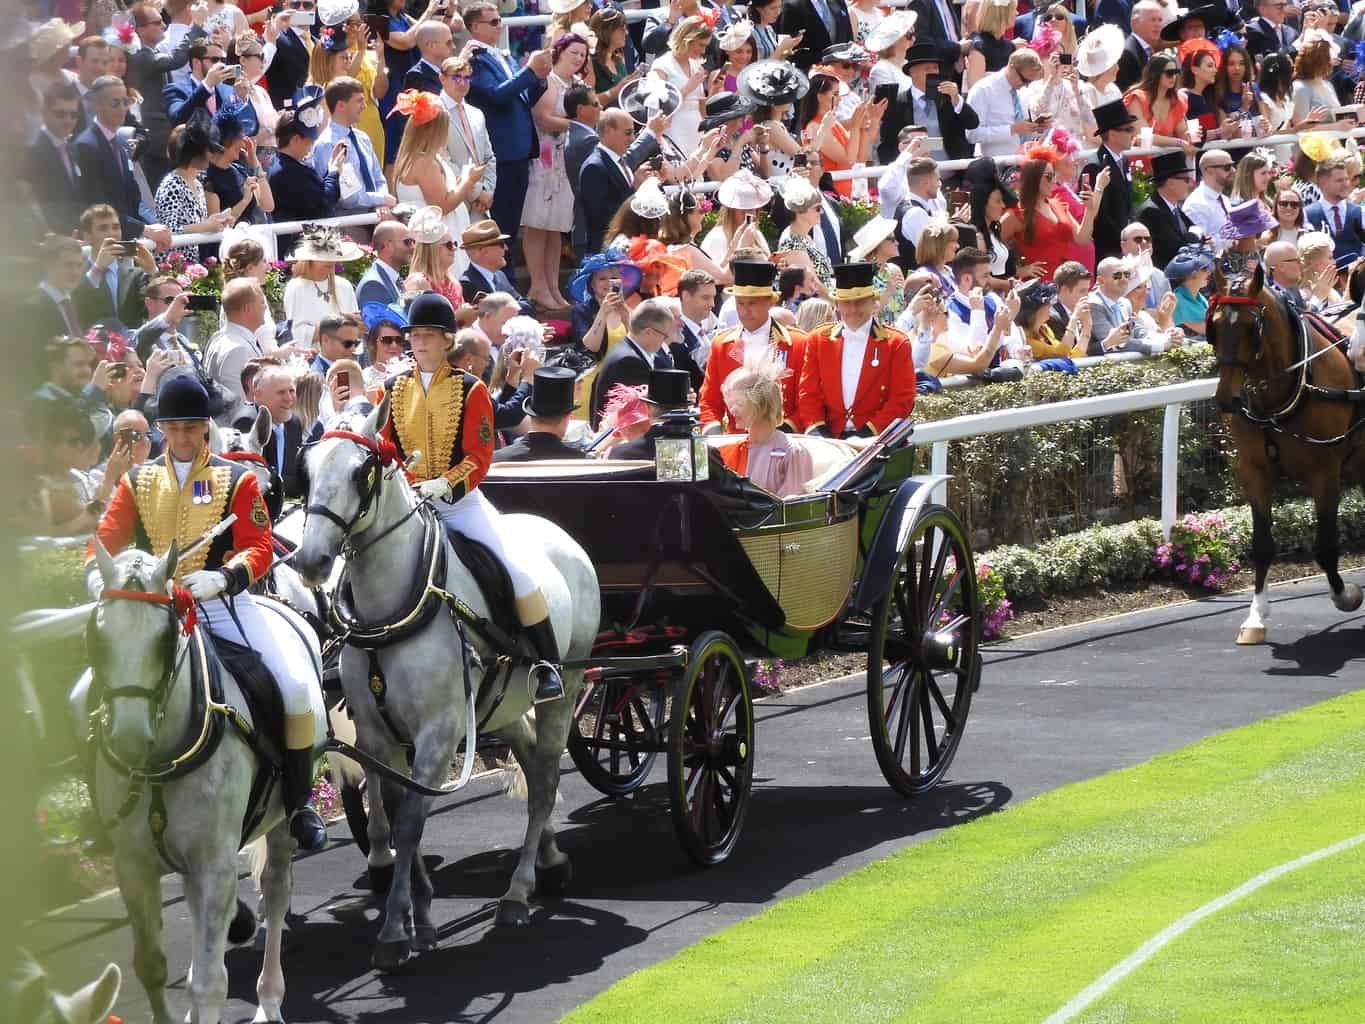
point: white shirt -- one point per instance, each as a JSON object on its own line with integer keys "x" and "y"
{"x": 702, "y": 332}
{"x": 991, "y": 99}
{"x": 1208, "y": 209}
{"x": 757, "y": 341}
{"x": 182, "y": 469}
{"x": 851, "y": 369}
{"x": 919, "y": 214}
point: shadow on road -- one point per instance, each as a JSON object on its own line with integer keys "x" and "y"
{"x": 1321, "y": 654}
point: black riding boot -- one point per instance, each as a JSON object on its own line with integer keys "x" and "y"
{"x": 545, "y": 672}
{"x": 305, "y": 824}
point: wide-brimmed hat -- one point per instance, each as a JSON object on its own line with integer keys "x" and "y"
{"x": 648, "y": 96}
{"x": 983, "y": 175}
{"x": 890, "y": 30}
{"x": 853, "y": 281}
{"x": 724, "y": 107}
{"x": 1189, "y": 260}
{"x": 773, "y": 83}
{"x": 52, "y": 37}
{"x": 1099, "y": 51}
{"x": 551, "y": 392}
{"x": 850, "y": 52}
{"x": 796, "y": 191}
{"x": 668, "y": 389}
{"x": 1211, "y": 15}
{"x": 336, "y": 12}
{"x": 325, "y": 244}
{"x": 485, "y": 232}
{"x": 428, "y": 226}
{"x": 1320, "y": 147}
{"x": 1112, "y": 115}
{"x": 649, "y": 200}
{"x": 1246, "y": 220}
{"x": 744, "y": 190}
{"x": 754, "y": 279}
{"x": 581, "y": 281}
{"x": 870, "y": 235}
{"x": 1169, "y": 165}
{"x": 923, "y": 53}
{"x": 739, "y": 33}
{"x": 376, "y": 313}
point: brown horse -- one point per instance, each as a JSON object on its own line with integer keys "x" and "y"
{"x": 1293, "y": 404}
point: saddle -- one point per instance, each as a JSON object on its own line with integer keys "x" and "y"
{"x": 262, "y": 694}
{"x": 492, "y": 579}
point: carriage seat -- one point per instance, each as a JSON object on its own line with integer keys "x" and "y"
{"x": 492, "y": 579}
{"x": 828, "y": 455}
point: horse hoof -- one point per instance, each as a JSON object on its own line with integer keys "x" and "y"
{"x": 242, "y": 929}
{"x": 553, "y": 882}
{"x": 389, "y": 956}
{"x": 380, "y": 879}
{"x": 512, "y": 914}
{"x": 1349, "y": 598}
{"x": 1248, "y": 635}
{"x": 424, "y": 938}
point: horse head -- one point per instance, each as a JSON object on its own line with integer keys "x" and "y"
{"x": 246, "y": 447}
{"x": 1246, "y": 322}
{"x": 35, "y": 1000}
{"x": 133, "y": 638}
{"x": 346, "y": 471}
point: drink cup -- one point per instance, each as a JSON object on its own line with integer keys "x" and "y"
{"x": 1145, "y": 137}
{"x": 1192, "y": 128}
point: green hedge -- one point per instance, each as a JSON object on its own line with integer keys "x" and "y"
{"x": 1109, "y": 555}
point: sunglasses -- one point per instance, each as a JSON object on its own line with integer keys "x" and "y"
{"x": 250, "y": 53}
{"x": 389, "y": 339}
{"x": 347, "y": 342}
{"x": 301, "y": 5}
{"x": 1288, "y": 204}
{"x": 1171, "y": 73}
{"x": 1143, "y": 238}
{"x": 449, "y": 246}
{"x": 495, "y": 22}
{"x": 1121, "y": 275}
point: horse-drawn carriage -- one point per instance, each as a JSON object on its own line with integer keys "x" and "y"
{"x": 697, "y": 576}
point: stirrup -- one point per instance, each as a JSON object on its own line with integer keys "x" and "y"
{"x": 549, "y": 683}
{"x": 308, "y": 829}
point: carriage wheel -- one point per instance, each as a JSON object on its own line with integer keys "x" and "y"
{"x": 922, "y": 658}
{"x": 711, "y": 749}
{"x": 616, "y": 733}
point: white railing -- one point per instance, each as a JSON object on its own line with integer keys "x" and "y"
{"x": 267, "y": 233}
{"x": 1171, "y": 397}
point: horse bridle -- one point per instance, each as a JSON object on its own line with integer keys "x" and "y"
{"x": 1258, "y": 322}
{"x": 377, "y": 454}
{"x": 179, "y": 607}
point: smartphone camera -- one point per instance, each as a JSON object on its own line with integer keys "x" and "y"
{"x": 614, "y": 288}
{"x": 800, "y": 160}
{"x": 118, "y": 371}
{"x": 1064, "y": 59}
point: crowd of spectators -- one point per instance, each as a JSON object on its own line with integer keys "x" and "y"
{"x": 564, "y": 200}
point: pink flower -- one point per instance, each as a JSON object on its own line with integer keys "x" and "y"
{"x": 182, "y": 280}
{"x": 197, "y": 271}
{"x": 211, "y": 262}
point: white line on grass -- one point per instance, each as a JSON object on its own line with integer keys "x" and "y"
{"x": 1101, "y": 985}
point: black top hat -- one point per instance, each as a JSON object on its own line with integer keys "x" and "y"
{"x": 182, "y": 397}
{"x": 753, "y": 278}
{"x": 551, "y": 392}
{"x": 726, "y": 106}
{"x": 432, "y": 309}
{"x": 922, "y": 53}
{"x": 1112, "y": 115}
{"x": 1168, "y": 165}
{"x": 669, "y": 388}
{"x": 853, "y": 281}
{"x": 1211, "y": 15}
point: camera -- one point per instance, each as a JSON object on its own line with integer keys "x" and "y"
{"x": 614, "y": 288}
{"x": 800, "y": 160}
{"x": 1064, "y": 59}
{"x": 118, "y": 371}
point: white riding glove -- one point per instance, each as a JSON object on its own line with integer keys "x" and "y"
{"x": 436, "y": 488}
{"x": 206, "y": 584}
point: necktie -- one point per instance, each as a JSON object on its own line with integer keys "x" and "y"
{"x": 66, "y": 161}
{"x": 663, "y": 359}
{"x": 365, "y": 175}
{"x": 279, "y": 451}
{"x": 822, "y": 9}
{"x": 211, "y": 104}
{"x": 1336, "y": 218}
{"x": 68, "y": 310}
{"x": 1223, "y": 203}
{"x": 1018, "y": 107}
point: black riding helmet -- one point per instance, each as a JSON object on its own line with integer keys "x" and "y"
{"x": 432, "y": 309}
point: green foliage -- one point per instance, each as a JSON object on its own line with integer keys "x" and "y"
{"x": 1199, "y": 551}
{"x": 1142, "y": 187}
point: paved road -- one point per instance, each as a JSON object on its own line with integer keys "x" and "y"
{"x": 1054, "y": 708}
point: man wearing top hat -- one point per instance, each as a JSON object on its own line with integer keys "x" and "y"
{"x": 668, "y": 391}
{"x": 858, "y": 375}
{"x": 1114, "y": 124}
{"x": 1170, "y": 226}
{"x": 549, "y": 407}
{"x": 754, "y": 291}
{"x": 943, "y": 113}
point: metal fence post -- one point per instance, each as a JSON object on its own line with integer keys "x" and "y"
{"x": 1170, "y": 467}
{"x": 938, "y": 463}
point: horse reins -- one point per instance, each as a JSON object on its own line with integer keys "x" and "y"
{"x": 379, "y": 454}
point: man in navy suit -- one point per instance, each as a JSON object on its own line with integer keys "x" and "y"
{"x": 652, "y": 327}
{"x": 938, "y": 23}
{"x": 288, "y": 69}
{"x": 50, "y": 167}
{"x": 819, "y": 23}
{"x": 506, "y": 95}
{"x": 1267, "y": 32}
{"x": 205, "y": 88}
{"x": 106, "y": 173}
{"x": 486, "y": 246}
{"x": 147, "y": 71}
{"x": 392, "y": 243}
{"x": 435, "y": 45}
{"x": 1336, "y": 214}
{"x": 610, "y": 173}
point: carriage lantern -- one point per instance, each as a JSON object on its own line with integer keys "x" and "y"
{"x": 680, "y": 455}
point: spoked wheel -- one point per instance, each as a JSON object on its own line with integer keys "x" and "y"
{"x": 616, "y": 733}
{"x": 922, "y": 658}
{"x": 711, "y": 749}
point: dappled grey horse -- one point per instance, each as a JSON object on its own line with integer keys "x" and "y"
{"x": 360, "y": 505}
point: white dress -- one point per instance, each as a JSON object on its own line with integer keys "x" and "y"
{"x": 306, "y": 303}
{"x": 549, "y": 199}
{"x": 685, "y": 132}
{"x": 456, "y": 220}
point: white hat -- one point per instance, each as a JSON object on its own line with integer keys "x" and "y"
{"x": 649, "y": 200}
{"x": 1099, "y": 51}
{"x": 580, "y": 28}
{"x": 870, "y": 235}
{"x": 797, "y": 191}
{"x": 890, "y": 30}
{"x": 335, "y": 12}
{"x": 735, "y": 36}
{"x": 565, "y": 6}
{"x": 53, "y": 37}
{"x": 743, "y": 190}
{"x": 428, "y": 226}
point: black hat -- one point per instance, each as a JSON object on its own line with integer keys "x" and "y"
{"x": 724, "y": 107}
{"x": 853, "y": 281}
{"x": 773, "y": 82}
{"x": 1168, "y": 165}
{"x": 753, "y": 279}
{"x": 922, "y": 53}
{"x": 982, "y": 175}
{"x": 669, "y": 388}
{"x": 1033, "y": 298}
{"x": 1112, "y": 115}
{"x": 432, "y": 309}
{"x": 551, "y": 392}
{"x": 1211, "y": 15}
{"x": 182, "y": 397}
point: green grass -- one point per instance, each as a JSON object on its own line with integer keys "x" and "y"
{"x": 1007, "y": 918}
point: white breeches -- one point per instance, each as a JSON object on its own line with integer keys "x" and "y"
{"x": 475, "y": 517}
{"x": 279, "y": 646}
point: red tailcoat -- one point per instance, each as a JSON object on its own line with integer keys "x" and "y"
{"x": 727, "y": 355}
{"x": 886, "y": 383}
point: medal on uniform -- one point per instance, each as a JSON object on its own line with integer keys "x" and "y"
{"x": 202, "y": 492}
{"x": 876, "y": 353}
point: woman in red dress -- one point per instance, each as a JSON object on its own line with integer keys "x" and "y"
{"x": 1041, "y": 228}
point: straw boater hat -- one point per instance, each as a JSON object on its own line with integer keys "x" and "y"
{"x": 754, "y": 279}
{"x": 53, "y": 36}
{"x": 744, "y": 191}
{"x": 1099, "y": 51}
{"x": 853, "y": 281}
{"x": 324, "y": 244}
{"x": 890, "y": 30}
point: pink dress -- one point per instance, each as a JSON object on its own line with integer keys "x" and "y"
{"x": 1082, "y": 253}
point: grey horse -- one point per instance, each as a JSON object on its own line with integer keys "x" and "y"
{"x": 370, "y": 511}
